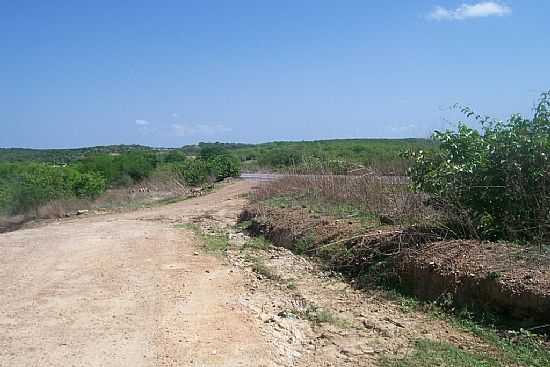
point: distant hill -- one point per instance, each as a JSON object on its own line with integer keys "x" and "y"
{"x": 61, "y": 156}
{"x": 272, "y": 155}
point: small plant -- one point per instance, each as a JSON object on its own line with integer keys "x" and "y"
{"x": 217, "y": 242}
{"x": 320, "y": 316}
{"x": 257, "y": 243}
{"x": 259, "y": 267}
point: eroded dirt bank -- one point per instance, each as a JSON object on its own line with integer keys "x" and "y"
{"x": 501, "y": 278}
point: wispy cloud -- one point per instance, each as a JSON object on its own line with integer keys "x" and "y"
{"x": 142, "y": 122}
{"x": 467, "y": 11}
{"x": 403, "y": 128}
{"x": 199, "y": 129}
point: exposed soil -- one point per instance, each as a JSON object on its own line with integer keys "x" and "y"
{"x": 498, "y": 277}
{"x": 510, "y": 280}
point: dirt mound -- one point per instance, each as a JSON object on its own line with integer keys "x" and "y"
{"x": 496, "y": 277}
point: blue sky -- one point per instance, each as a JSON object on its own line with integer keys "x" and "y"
{"x": 169, "y": 73}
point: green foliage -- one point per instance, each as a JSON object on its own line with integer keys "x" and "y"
{"x": 223, "y": 166}
{"x": 257, "y": 243}
{"x": 89, "y": 185}
{"x": 278, "y": 158}
{"x": 214, "y": 165}
{"x": 501, "y": 175}
{"x": 209, "y": 151}
{"x": 64, "y": 156}
{"x": 24, "y": 187}
{"x": 336, "y": 156}
{"x": 119, "y": 170}
{"x": 174, "y": 156}
{"x": 215, "y": 242}
{"x": 195, "y": 172}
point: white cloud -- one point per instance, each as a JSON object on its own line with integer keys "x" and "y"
{"x": 466, "y": 11}
{"x": 199, "y": 129}
{"x": 142, "y": 122}
{"x": 403, "y": 128}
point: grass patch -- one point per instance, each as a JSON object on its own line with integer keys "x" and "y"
{"x": 213, "y": 242}
{"x": 243, "y": 225}
{"x": 259, "y": 267}
{"x": 432, "y": 353}
{"x": 319, "y": 316}
{"x": 257, "y": 243}
{"x": 517, "y": 348}
{"x": 216, "y": 242}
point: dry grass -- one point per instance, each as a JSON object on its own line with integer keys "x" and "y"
{"x": 392, "y": 202}
{"x": 61, "y": 208}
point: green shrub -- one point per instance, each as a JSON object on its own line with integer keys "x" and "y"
{"x": 119, "y": 170}
{"x": 89, "y": 185}
{"x": 223, "y": 166}
{"x": 208, "y": 151}
{"x": 195, "y": 172}
{"x": 26, "y": 186}
{"x": 501, "y": 175}
{"x": 174, "y": 156}
{"x": 279, "y": 158}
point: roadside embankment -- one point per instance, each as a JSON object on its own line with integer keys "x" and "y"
{"x": 510, "y": 280}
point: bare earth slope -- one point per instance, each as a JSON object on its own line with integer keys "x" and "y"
{"x": 125, "y": 290}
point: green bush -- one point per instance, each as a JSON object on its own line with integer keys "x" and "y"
{"x": 195, "y": 172}
{"x": 89, "y": 185}
{"x": 279, "y": 158}
{"x": 223, "y": 166}
{"x": 501, "y": 175}
{"x": 119, "y": 170}
{"x": 26, "y": 186}
{"x": 217, "y": 167}
{"x": 208, "y": 151}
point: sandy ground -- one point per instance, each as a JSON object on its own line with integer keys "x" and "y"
{"x": 126, "y": 290}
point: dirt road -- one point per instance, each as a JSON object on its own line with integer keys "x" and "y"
{"x": 126, "y": 290}
{"x": 137, "y": 289}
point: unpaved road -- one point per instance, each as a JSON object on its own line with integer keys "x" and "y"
{"x": 136, "y": 289}
{"x": 126, "y": 290}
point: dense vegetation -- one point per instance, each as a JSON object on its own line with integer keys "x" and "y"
{"x": 338, "y": 156}
{"x": 32, "y": 177}
{"x": 25, "y": 186}
{"x": 499, "y": 175}
{"x": 64, "y": 156}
